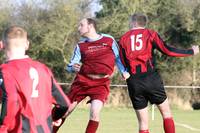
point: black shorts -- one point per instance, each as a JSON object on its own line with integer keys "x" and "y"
{"x": 146, "y": 88}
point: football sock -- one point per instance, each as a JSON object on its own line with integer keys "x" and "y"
{"x": 169, "y": 125}
{"x": 55, "y": 128}
{"x": 144, "y": 131}
{"x": 92, "y": 126}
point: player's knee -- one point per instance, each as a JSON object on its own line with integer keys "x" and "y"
{"x": 94, "y": 115}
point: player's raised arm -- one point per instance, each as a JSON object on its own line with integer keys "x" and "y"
{"x": 172, "y": 51}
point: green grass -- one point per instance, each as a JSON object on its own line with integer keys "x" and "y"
{"x": 123, "y": 120}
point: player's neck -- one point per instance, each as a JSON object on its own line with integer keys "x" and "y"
{"x": 93, "y": 36}
{"x": 135, "y": 25}
{"x": 135, "y": 28}
{"x": 15, "y": 54}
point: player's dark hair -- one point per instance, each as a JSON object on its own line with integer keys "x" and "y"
{"x": 92, "y": 21}
{"x": 141, "y": 19}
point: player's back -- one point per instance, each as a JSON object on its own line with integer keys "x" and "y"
{"x": 33, "y": 82}
{"x": 137, "y": 46}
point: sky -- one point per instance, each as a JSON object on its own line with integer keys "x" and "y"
{"x": 95, "y": 7}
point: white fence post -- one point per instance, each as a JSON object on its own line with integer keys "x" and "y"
{"x": 152, "y": 112}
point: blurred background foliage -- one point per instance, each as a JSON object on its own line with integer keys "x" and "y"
{"x": 52, "y": 28}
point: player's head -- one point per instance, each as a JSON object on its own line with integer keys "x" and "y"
{"x": 15, "y": 37}
{"x": 87, "y": 26}
{"x": 138, "y": 20}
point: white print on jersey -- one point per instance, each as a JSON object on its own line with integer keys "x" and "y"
{"x": 35, "y": 77}
{"x": 138, "y": 39}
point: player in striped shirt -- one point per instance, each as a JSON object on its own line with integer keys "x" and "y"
{"x": 145, "y": 84}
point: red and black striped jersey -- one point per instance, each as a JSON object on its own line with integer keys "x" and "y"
{"x": 137, "y": 50}
{"x": 28, "y": 92}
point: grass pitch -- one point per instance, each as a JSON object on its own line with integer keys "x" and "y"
{"x": 123, "y": 120}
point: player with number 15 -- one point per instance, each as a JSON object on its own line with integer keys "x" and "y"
{"x": 145, "y": 84}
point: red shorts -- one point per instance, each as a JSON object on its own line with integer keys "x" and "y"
{"x": 84, "y": 86}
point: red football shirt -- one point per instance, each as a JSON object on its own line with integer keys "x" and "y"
{"x": 97, "y": 56}
{"x": 137, "y": 46}
{"x": 28, "y": 92}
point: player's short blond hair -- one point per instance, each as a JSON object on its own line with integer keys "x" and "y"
{"x": 141, "y": 19}
{"x": 14, "y": 32}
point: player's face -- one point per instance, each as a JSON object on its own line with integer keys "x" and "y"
{"x": 84, "y": 27}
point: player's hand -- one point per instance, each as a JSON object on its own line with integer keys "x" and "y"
{"x": 57, "y": 123}
{"x": 76, "y": 67}
{"x": 125, "y": 75}
{"x": 195, "y": 49}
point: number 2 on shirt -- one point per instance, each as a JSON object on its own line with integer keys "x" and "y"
{"x": 35, "y": 77}
{"x": 136, "y": 39}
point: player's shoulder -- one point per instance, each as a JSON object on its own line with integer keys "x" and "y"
{"x": 7, "y": 69}
{"x": 82, "y": 40}
{"x": 125, "y": 35}
{"x": 103, "y": 36}
{"x": 6, "y": 66}
{"x": 85, "y": 39}
{"x": 3, "y": 67}
{"x": 39, "y": 64}
{"x": 107, "y": 35}
{"x": 151, "y": 31}
{"x": 147, "y": 30}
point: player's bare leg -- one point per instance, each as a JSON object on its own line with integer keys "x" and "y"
{"x": 143, "y": 119}
{"x": 71, "y": 108}
{"x": 96, "y": 106}
{"x": 165, "y": 109}
{"x": 168, "y": 121}
{"x": 69, "y": 111}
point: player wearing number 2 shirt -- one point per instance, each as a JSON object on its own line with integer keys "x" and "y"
{"x": 28, "y": 89}
{"x": 137, "y": 54}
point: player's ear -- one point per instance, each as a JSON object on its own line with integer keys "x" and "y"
{"x": 27, "y": 45}
{"x": 1, "y": 45}
{"x": 90, "y": 26}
